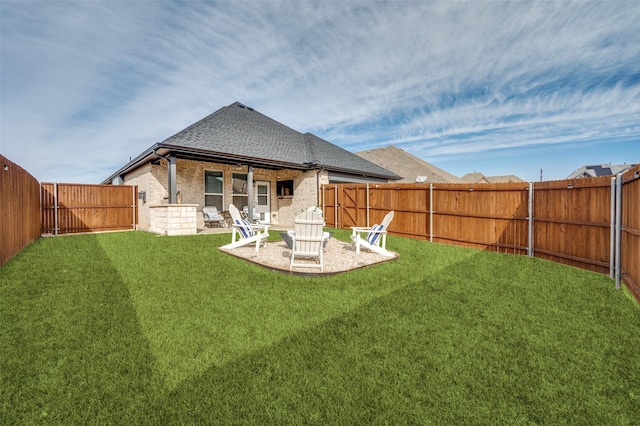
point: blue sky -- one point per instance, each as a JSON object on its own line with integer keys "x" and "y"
{"x": 487, "y": 86}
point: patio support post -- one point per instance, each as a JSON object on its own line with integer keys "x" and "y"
{"x": 530, "y": 230}
{"x": 612, "y": 240}
{"x": 319, "y": 197}
{"x": 171, "y": 175}
{"x": 250, "y": 193}
{"x": 618, "y": 228}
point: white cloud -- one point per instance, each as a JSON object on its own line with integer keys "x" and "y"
{"x": 86, "y": 85}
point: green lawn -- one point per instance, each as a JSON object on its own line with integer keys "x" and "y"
{"x": 132, "y": 328}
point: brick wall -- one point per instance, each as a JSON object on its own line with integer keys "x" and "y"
{"x": 152, "y": 179}
{"x": 190, "y": 183}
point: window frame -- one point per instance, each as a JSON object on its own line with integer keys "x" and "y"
{"x": 239, "y": 195}
{"x": 284, "y": 188}
{"x": 220, "y": 194}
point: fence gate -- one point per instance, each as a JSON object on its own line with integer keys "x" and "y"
{"x": 74, "y": 208}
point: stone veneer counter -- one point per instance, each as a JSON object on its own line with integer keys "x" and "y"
{"x": 174, "y": 219}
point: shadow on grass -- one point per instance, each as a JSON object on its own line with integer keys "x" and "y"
{"x": 189, "y": 335}
{"x": 449, "y": 346}
{"x": 72, "y": 349}
{"x": 199, "y": 307}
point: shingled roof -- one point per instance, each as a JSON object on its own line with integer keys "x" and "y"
{"x": 477, "y": 177}
{"x": 597, "y": 170}
{"x": 237, "y": 134}
{"x": 410, "y": 167}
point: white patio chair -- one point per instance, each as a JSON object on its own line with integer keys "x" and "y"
{"x": 307, "y": 237}
{"x": 245, "y": 214}
{"x": 244, "y": 232}
{"x": 212, "y": 216}
{"x": 376, "y": 236}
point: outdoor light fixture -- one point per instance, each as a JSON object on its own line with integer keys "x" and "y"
{"x": 6, "y": 167}
{"x": 570, "y": 186}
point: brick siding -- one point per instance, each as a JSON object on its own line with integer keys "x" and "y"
{"x": 152, "y": 178}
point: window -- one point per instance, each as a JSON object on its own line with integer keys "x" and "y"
{"x": 263, "y": 194}
{"x": 239, "y": 184}
{"x": 213, "y": 189}
{"x": 284, "y": 188}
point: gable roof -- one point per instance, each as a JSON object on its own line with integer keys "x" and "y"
{"x": 477, "y": 177}
{"x": 503, "y": 179}
{"x": 597, "y": 170}
{"x": 237, "y": 134}
{"x": 410, "y": 167}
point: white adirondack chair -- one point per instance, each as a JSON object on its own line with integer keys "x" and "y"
{"x": 375, "y": 238}
{"x": 307, "y": 237}
{"x": 245, "y": 232}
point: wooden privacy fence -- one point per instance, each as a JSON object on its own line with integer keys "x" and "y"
{"x": 571, "y": 221}
{"x": 629, "y": 232}
{"x": 479, "y": 215}
{"x": 20, "y": 213}
{"x": 74, "y": 208}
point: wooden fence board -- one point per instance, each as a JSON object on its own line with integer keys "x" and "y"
{"x": 483, "y": 216}
{"x": 571, "y": 218}
{"x": 630, "y": 238}
{"x": 75, "y": 208}
{"x": 572, "y": 222}
{"x": 20, "y": 212}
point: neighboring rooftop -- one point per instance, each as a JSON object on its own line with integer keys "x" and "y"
{"x": 411, "y": 168}
{"x": 598, "y": 170}
{"x": 477, "y": 177}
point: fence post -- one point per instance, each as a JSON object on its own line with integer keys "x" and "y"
{"x": 55, "y": 209}
{"x": 431, "y": 212}
{"x": 367, "y": 201}
{"x": 335, "y": 202}
{"x": 618, "y": 227}
{"x": 41, "y": 221}
{"x": 134, "y": 196}
{"x": 530, "y": 230}
{"x": 612, "y": 241}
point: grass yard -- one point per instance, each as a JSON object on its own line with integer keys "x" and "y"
{"x": 132, "y": 328}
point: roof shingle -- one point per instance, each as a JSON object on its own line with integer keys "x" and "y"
{"x": 239, "y": 130}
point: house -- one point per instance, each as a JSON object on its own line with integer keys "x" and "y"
{"x": 411, "y": 168}
{"x": 598, "y": 170}
{"x": 239, "y": 156}
{"x": 477, "y": 177}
